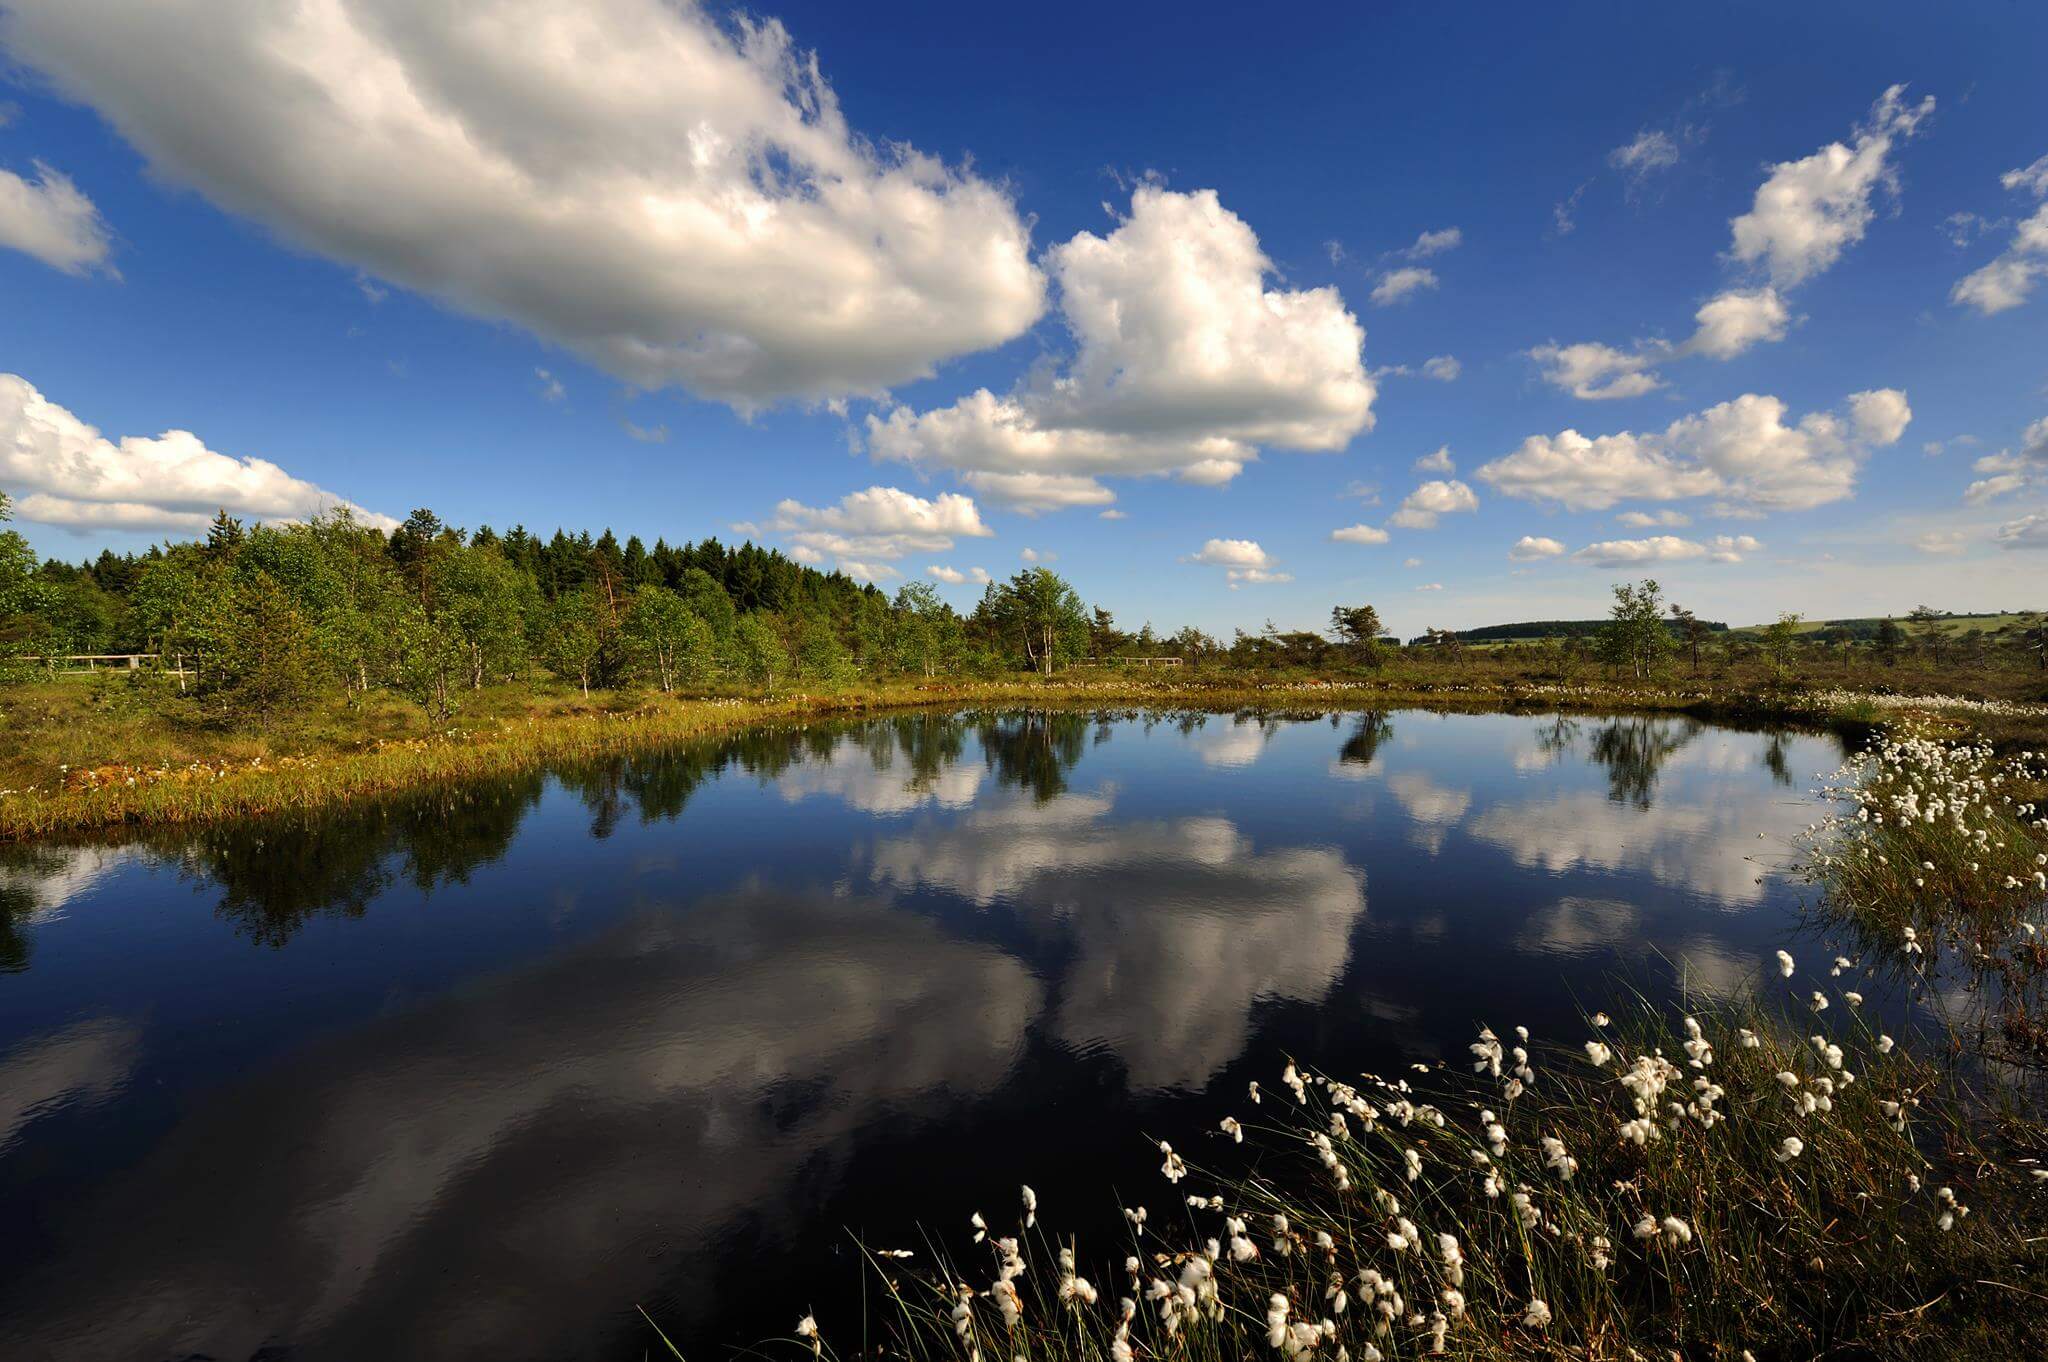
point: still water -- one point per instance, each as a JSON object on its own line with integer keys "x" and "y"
{"x": 473, "y": 1075}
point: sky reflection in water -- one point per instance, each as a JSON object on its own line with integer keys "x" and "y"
{"x": 472, "y": 1075}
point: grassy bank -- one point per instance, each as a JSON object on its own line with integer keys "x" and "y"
{"x": 94, "y": 753}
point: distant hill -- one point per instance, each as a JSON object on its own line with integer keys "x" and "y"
{"x": 1530, "y": 631}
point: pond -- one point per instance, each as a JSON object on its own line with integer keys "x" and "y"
{"x": 474, "y": 1074}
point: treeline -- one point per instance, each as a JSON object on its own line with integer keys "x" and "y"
{"x": 1531, "y": 631}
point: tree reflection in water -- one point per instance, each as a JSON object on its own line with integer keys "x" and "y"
{"x": 1634, "y": 749}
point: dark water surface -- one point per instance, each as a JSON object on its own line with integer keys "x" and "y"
{"x": 471, "y": 1076}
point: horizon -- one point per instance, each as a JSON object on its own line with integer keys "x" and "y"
{"x": 1763, "y": 321}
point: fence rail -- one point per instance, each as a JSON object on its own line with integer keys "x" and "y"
{"x": 83, "y": 664}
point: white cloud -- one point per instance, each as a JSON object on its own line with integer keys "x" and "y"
{"x": 1642, "y": 520}
{"x": 1030, "y": 493}
{"x": 1437, "y": 462}
{"x": 1359, "y": 534}
{"x": 1237, "y": 553}
{"x": 1432, "y": 499}
{"x": 955, "y": 577}
{"x": 2009, "y": 280}
{"x": 676, "y": 198}
{"x": 1185, "y": 363}
{"x": 2028, "y": 532}
{"x": 1442, "y": 368}
{"x": 71, "y": 475}
{"x": 1725, "y": 325}
{"x": 2011, "y": 470}
{"x": 1650, "y": 151}
{"x": 1665, "y": 548}
{"x": 53, "y": 221}
{"x": 1258, "y": 577}
{"x": 1940, "y": 541}
{"x": 1398, "y": 285}
{"x": 1530, "y": 547}
{"x": 1810, "y": 210}
{"x": 1031, "y": 555}
{"x": 1113, "y": 514}
{"x": 1880, "y": 416}
{"x": 646, "y": 435}
{"x": 1411, "y": 562}
{"x": 1435, "y": 243}
{"x": 880, "y": 523}
{"x": 551, "y": 389}
{"x": 1739, "y": 451}
{"x": 1732, "y": 321}
{"x": 1805, "y": 214}
{"x": 1431, "y": 586}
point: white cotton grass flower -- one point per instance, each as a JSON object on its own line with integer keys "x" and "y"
{"x": 1276, "y": 1320}
{"x": 807, "y": 1327}
{"x": 1030, "y": 1207}
{"x": 980, "y": 1226}
{"x": 1254, "y": 1091}
{"x": 1601, "y": 1020}
{"x": 1173, "y": 1169}
{"x": 1785, "y": 965}
{"x": 1820, "y": 1001}
{"x": 1229, "y": 1125}
{"x": 1789, "y": 1148}
{"x": 1537, "y": 1315}
{"x": 1598, "y": 1053}
{"x": 1885, "y": 1044}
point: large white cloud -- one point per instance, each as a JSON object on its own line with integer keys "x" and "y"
{"x": 2009, "y": 280}
{"x": 884, "y": 523}
{"x": 1666, "y": 548}
{"x": 1805, "y": 214}
{"x": 53, "y": 221}
{"x": 679, "y": 200}
{"x": 1810, "y": 210}
{"x": 2012, "y": 470}
{"x": 1741, "y": 452}
{"x": 69, "y": 474}
{"x": 1185, "y": 363}
{"x": 1532, "y": 546}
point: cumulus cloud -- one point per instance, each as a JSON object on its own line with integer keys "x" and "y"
{"x": 69, "y": 474}
{"x": 50, "y": 219}
{"x": 1442, "y": 368}
{"x": 1724, "y": 326}
{"x": 1437, "y": 462}
{"x": 1807, "y": 212}
{"x": 1359, "y": 534}
{"x": 1442, "y": 496}
{"x": 1246, "y": 561}
{"x": 880, "y": 523}
{"x": 2009, "y": 280}
{"x": 677, "y": 198}
{"x": 1530, "y": 547}
{"x": 1665, "y": 548}
{"x": 2011, "y": 470}
{"x": 2028, "y": 532}
{"x": 955, "y": 577}
{"x": 1185, "y": 363}
{"x": 1431, "y": 586}
{"x": 1740, "y": 452}
{"x": 1644, "y": 520}
{"x": 1399, "y": 285}
{"x": 1804, "y": 215}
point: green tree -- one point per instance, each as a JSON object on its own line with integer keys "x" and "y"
{"x": 263, "y": 662}
{"x": 1927, "y": 624}
{"x": 1634, "y": 638}
{"x": 759, "y": 652}
{"x": 1781, "y": 643}
{"x": 928, "y": 635}
{"x": 669, "y": 635}
{"x": 1692, "y": 631}
{"x": 1890, "y": 638}
{"x": 1358, "y": 628}
{"x": 482, "y": 606}
{"x": 571, "y": 638}
{"x": 818, "y": 655}
{"x": 1039, "y": 609}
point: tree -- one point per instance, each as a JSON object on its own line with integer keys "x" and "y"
{"x": 1692, "y": 630}
{"x": 482, "y": 604}
{"x": 1890, "y": 638}
{"x": 1104, "y": 638}
{"x": 1781, "y": 642}
{"x": 1634, "y": 638}
{"x": 1358, "y": 626}
{"x": 759, "y": 651}
{"x": 571, "y": 638}
{"x": 818, "y": 654}
{"x": 264, "y": 661}
{"x": 1042, "y": 611}
{"x": 1927, "y": 623}
{"x": 669, "y": 634}
{"x": 928, "y": 633}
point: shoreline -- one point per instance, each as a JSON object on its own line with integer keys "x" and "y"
{"x": 118, "y": 794}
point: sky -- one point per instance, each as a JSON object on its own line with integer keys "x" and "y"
{"x": 1464, "y": 311}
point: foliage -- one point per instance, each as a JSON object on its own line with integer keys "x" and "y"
{"x": 1636, "y": 639}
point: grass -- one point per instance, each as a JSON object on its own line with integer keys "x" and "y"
{"x": 1712, "y": 1185}
{"x": 94, "y": 752}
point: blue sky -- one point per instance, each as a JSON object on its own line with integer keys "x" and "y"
{"x": 349, "y": 242}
